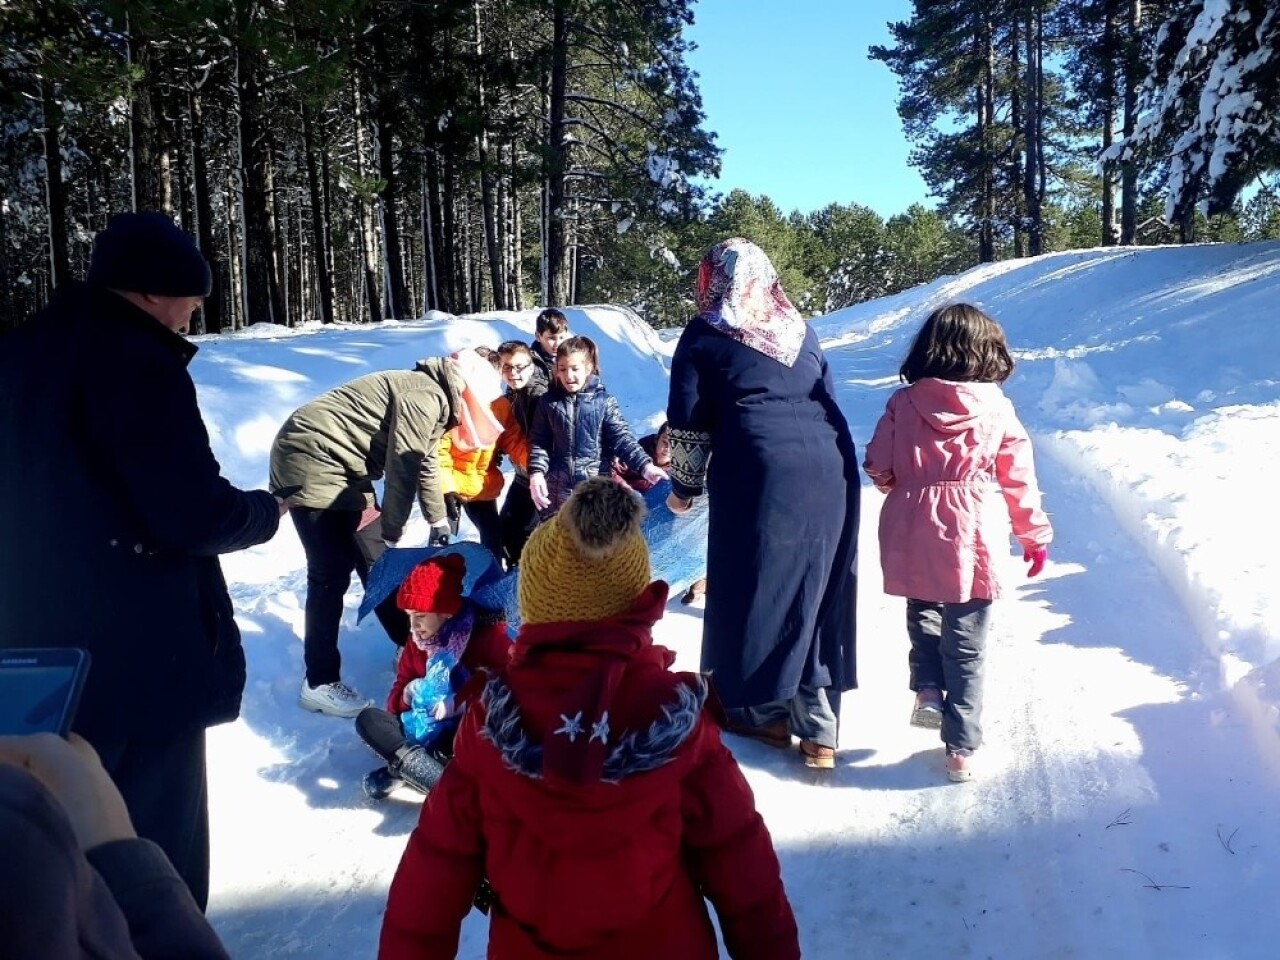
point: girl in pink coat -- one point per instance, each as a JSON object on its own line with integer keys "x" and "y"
{"x": 948, "y": 450}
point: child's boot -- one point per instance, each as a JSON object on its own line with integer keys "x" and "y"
{"x": 927, "y": 712}
{"x": 418, "y": 768}
{"x": 381, "y": 783}
{"x": 959, "y": 764}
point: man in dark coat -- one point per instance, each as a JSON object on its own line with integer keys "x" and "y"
{"x": 114, "y": 514}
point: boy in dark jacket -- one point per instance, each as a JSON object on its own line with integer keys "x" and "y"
{"x": 550, "y": 330}
{"x": 589, "y": 782}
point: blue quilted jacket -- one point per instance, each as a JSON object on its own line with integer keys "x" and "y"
{"x": 571, "y": 432}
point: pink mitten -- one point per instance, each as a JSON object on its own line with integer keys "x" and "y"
{"x": 1036, "y": 558}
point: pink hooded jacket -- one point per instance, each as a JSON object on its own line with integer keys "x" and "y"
{"x": 946, "y": 452}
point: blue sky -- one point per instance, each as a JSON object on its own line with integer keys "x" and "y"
{"x": 801, "y": 112}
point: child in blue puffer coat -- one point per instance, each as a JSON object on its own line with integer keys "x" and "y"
{"x": 576, "y": 421}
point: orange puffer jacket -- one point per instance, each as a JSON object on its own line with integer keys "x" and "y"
{"x": 472, "y": 476}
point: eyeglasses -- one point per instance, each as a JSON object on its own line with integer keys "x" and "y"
{"x": 515, "y": 368}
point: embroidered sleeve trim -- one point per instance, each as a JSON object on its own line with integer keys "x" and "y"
{"x": 690, "y": 451}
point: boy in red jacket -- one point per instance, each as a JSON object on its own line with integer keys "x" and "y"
{"x": 446, "y": 631}
{"x": 589, "y": 783}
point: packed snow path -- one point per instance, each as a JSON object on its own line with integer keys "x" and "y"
{"x": 1120, "y": 808}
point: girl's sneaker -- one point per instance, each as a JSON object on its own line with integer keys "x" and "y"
{"x": 959, "y": 764}
{"x": 927, "y": 712}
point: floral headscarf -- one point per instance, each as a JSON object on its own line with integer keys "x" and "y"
{"x": 739, "y": 294}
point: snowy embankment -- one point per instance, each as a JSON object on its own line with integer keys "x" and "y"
{"x": 1154, "y": 375}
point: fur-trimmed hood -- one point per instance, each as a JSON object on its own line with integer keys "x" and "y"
{"x": 587, "y": 702}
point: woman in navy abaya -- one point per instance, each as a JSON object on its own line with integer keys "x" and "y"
{"x": 754, "y": 422}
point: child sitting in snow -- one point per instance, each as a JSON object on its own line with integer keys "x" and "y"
{"x": 658, "y": 446}
{"x": 576, "y": 426}
{"x": 449, "y": 638}
{"x": 589, "y": 782}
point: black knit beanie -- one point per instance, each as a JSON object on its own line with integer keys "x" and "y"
{"x": 147, "y": 253}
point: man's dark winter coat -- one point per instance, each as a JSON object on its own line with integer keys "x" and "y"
{"x": 112, "y": 514}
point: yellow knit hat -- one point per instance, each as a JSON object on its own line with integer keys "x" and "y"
{"x": 589, "y": 561}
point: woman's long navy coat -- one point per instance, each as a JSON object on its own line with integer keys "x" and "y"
{"x": 782, "y": 482}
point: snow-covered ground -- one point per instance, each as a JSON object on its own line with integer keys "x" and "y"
{"x": 1125, "y": 803}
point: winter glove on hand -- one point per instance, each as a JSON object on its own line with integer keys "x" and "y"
{"x": 410, "y": 689}
{"x": 439, "y": 535}
{"x": 1036, "y": 558}
{"x": 653, "y": 474}
{"x": 538, "y": 491}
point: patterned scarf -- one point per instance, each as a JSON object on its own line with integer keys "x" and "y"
{"x": 739, "y": 294}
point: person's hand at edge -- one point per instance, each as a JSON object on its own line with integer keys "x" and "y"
{"x": 678, "y": 504}
{"x": 72, "y": 771}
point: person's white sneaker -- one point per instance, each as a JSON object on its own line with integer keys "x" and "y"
{"x": 335, "y": 699}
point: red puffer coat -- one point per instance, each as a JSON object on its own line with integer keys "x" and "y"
{"x": 592, "y": 788}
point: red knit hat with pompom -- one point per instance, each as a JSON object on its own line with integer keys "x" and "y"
{"x": 434, "y": 586}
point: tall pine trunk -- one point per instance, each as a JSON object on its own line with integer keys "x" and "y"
{"x": 1111, "y": 67}
{"x": 261, "y": 291}
{"x": 557, "y": 162}
{"x": 368, "y": 235}
{"x": 1133, "y": 77}
{"x": 144, "y": 152}
{"x": 385, "y": 124}
{"x": 1034, "y": 126}
{"x": 488, "y": 200}
{"x": 986, "y": 136}
{"x": 319, "y": 242}
{"x": 55, "y": 190}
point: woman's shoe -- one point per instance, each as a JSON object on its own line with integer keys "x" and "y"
{"x": 774, "y": 734}
{"x": 816, "y": 756}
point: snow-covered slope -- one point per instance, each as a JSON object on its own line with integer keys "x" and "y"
{"x": 1125, "y": 807}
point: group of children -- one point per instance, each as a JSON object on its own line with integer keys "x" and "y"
{"x": 560, "y": 427}
{"x": 590, "y": 802}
